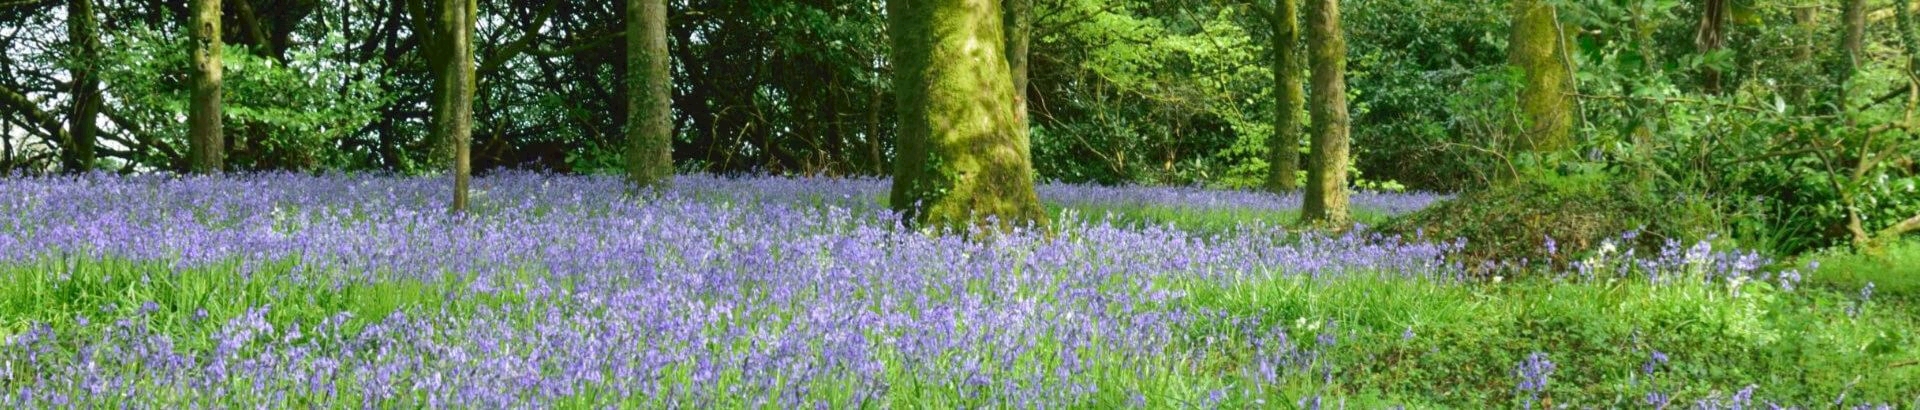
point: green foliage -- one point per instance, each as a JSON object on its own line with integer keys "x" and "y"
{"x": 291, "y": 115}
{"x": 1129, "y": 92}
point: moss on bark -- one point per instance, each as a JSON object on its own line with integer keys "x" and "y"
{"x": 963, "y": 161}
{"x": 1546, "y": 97}
{"x": 1283, "y": 147}
{"x": 1326, "y": 196}
{"x": 649, "y": 95}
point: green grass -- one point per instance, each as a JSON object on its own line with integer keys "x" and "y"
{"x": 1896, "y": 275}
{"x": 1797, "y": 347}
{"x": 198, "y": 300}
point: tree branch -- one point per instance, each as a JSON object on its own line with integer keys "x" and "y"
{"x": 519, "y": 45}
{"x": 23, "y": 3}
{"x": 48, "y": 124}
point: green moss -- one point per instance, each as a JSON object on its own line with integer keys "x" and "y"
{"x": 963, "y": 157}
{"x": 1511, "y": 221}
{"x": 1536, "y": 47}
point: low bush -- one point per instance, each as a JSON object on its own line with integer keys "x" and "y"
{"x": 1551, "y": 219}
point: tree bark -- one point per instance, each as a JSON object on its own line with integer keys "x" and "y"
{"x": 963, "y": 161}
{"x": 1283, "y": 147}
{"x": 1019, "y": 28}
{"x": 1711, "y": 37}
{"x": 456, "y": 104}
{"x": 877, "y": 161}
{"x": 1806, "y": 19}
{"x": 1326, "y": 196}
{"x": 1546, "y": 97}
{"x": 649, "y": 96}
{"x": 82, "y": 31}
{"x": 1854, "y": 41}
{"x": 429, "y": 27}
{"x": 208, "y": 148}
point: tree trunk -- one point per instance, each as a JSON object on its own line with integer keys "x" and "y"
{"x": 837, "y": 161}
{"x": 208, "y": 150}
{"x": 1326, "y": 196}
{"x": 1546, "y": 98}
{"x": 82, "y": 30}
{"x": 1855, "y": 38}
{"x": 1709, "y": 38}
{"x": 649, "y": 96}
{"x": 1806, "y": 19}
{"x": 455, "y": 108}
{"x": 877, "y": 161}
{"x": 1283, "y": 147}
{"x": 434, "y": 48}
{"x": 1019, "y": 28}
{"x": 963, "y": 160}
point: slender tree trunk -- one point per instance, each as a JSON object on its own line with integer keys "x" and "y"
{"x": 1853, "y": 43}
{"x": 649, "y": 96}
{"x": 428, "y": 15}
{"x": 1326, "y": 196}
{"x": 963, "y": 160}
{"x": 1806, "y": 21}
{"x": 1855, "y": 37}
{"x": 878, "y": 162}
{"x": 1283, "y": 147}
{"x": 1546, "y": 99}
{"x": 82, "y": 30}
{"x": 837, "y": 160}
{"x": 208, "y": 149}
{"x": 1711, "y": 37}
{"x": 1019, "y": 28}
{"x": 456, "y": 109}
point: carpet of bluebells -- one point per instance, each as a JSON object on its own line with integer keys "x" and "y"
{"x": 361, "y": 291}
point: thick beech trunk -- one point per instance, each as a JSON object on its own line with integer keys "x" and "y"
{"x": 649, "y": 95}
{"x": 1326, "y": 196}
{"x": 207, "y": 148}
{"x": 77, "y": 154}
{"x": 963, "y": 159}
{"x": 1546, "y": 98}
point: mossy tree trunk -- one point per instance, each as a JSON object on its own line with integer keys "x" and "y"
{"x": 1283, "y": 147}
{"x": 1326, "y": 196}
{"x": 207, "y": 149}
{"x": 1546, "y": 95}
{"x": 77, "y": 155}
{"x": 454, "y": 108}
{"x": 963, "y": 159}
{"x": 649, "y": 96}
